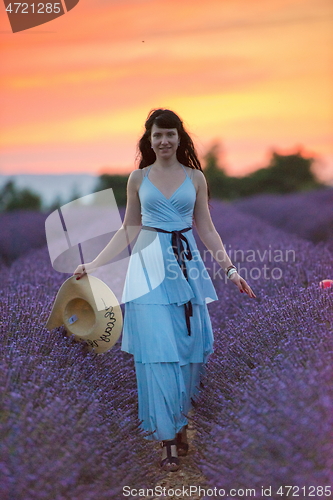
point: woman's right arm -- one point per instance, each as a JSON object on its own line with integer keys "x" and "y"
{"x": 128, "y": 231}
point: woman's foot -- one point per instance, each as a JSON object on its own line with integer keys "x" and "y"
{"x": 182, "y": 444}
{"x": 170, "y": 460}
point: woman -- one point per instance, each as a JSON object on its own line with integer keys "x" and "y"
{"x": 167, "y": 325}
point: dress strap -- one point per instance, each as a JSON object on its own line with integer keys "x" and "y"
{"x": 184, "y": 169}
{"x": 146, "y": 171}
{"x": 190, "y": 176}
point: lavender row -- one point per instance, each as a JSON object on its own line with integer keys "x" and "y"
{"x": 265, "y": 417}
{"x": 268, "y": 258}
{"x": 21, "y": 231}
{"x": 265, "y": 414}
{"x": 309, "y": 214}
{"x": 69, "y": 425}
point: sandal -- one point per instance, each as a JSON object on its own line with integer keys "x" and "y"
{"x": 170, "y": 463}
{"x": 182, "y": 447}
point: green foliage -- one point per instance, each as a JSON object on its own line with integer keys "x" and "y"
{"x": 118, "y": 183}
{"x": 284, "y": 174}
{"x": 218, "y": 181}
{"x": 12, "y": 198}
{"x": 57, "y": 203}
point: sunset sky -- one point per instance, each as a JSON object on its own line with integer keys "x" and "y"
{"x": 255, "y": 74}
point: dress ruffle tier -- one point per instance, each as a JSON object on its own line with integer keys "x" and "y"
{"x": 159, "y": 334}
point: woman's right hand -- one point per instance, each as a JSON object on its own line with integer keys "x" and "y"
{"x": 83, "y": 269}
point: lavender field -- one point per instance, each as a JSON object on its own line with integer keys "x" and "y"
{"x": 20, "y": 232}
{"x": 307, "y": 214}
{"x": 69, "y": 426}
{"x": 68, "y": 417}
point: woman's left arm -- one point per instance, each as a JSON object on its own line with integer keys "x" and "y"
{"x": 210, "y": 237}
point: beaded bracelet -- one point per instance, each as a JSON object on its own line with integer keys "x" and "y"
{"x": 228, "y": 269}
{"x": 231, "y": 271}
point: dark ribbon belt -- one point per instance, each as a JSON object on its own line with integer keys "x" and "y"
{"x": 178, "y": 249}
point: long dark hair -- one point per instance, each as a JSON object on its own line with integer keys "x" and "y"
{"x": 186, "y": 153}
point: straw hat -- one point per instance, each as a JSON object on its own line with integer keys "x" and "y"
{"x": 89, "y": 310}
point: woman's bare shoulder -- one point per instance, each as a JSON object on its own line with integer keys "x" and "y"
{"x": 137, "y": 172}
{"x": 134, "y": 180}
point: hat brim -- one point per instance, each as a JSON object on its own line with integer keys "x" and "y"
{"x": 89, "y": 310}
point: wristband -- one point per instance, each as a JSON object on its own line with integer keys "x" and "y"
{"x": 231, "y": 271}
{"x": 228, "y": 269}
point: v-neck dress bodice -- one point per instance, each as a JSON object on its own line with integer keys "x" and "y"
{"x": 171, "y": 213}
{"x": 154, "y": 276}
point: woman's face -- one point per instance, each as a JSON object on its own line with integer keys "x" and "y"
{"x": 164, "y": 141}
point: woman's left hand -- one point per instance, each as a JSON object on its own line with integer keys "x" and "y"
{"x": 242, "y": 285}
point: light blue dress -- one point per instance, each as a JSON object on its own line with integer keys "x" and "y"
{"x": 168, "y": 359}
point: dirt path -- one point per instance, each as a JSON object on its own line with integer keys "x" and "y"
{"x": 188, "y": 474}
